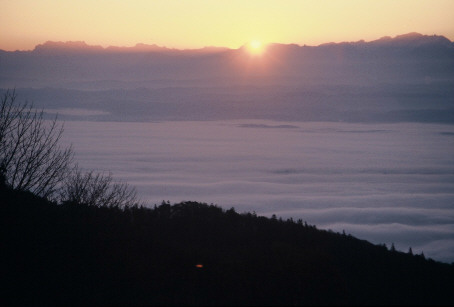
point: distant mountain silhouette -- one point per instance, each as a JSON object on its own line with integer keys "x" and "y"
{"x": 412, "y": 39}
{"x": 52, "y": 47}
{"x": 71, "y": 46}
{"x": 407, "y": 56}
{"x": 405, "y": 40}
{"x": 406, "y": 78}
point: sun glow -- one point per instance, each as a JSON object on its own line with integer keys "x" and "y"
{"x": 126, "y": 23}
{"x": 255, "y": 47}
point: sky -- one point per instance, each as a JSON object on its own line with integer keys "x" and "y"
{"x": 189, "y": 24}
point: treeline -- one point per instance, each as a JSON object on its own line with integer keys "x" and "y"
{"x": 197, "y": 254}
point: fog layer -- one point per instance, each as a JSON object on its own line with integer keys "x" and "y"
{"x": 387, "y": 183}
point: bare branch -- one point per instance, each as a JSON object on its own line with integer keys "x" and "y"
{"x": 30, "y": 156}
{"x": 97, "y": 189}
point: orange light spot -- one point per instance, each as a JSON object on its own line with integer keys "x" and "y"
{"x": 199, "y": 266}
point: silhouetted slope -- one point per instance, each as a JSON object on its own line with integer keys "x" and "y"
{"x": 78, "y": 255}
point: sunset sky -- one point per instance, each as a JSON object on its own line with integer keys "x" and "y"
{"x": 198, "y": 23}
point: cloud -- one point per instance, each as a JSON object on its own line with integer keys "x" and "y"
{"x": 76, "y": 112}
{"x": 267, "y": 126}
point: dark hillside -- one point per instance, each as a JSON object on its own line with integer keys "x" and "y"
{"x": 85, "y": 255}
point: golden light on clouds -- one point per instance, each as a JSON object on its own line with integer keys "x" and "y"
{"x": 199, "y": 23}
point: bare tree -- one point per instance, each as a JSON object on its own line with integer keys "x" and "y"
{"x": 30, "y": 156}
{"x": 97, "y": 189}
{"x": 31, "y": 159}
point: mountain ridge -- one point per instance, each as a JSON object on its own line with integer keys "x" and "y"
{"x": 412, "y": 38}
{"x": 406, "y": 78}
{"x": 193, "y": 253}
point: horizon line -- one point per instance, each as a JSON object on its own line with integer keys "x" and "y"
{"x": 83, "y": 44}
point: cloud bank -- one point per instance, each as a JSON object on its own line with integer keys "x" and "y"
{"x": 386, "y": 183}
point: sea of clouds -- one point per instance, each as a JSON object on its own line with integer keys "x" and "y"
{"x": 386, "y": 183}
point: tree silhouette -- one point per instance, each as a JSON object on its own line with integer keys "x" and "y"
{"x": 393, "y": 248}
{"x": 30, "y": 156}
{"x": 97, "y": 189}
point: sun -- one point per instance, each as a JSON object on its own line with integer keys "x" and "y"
{"x": 255, "y": 47}
{"x": 255, "y": 44}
